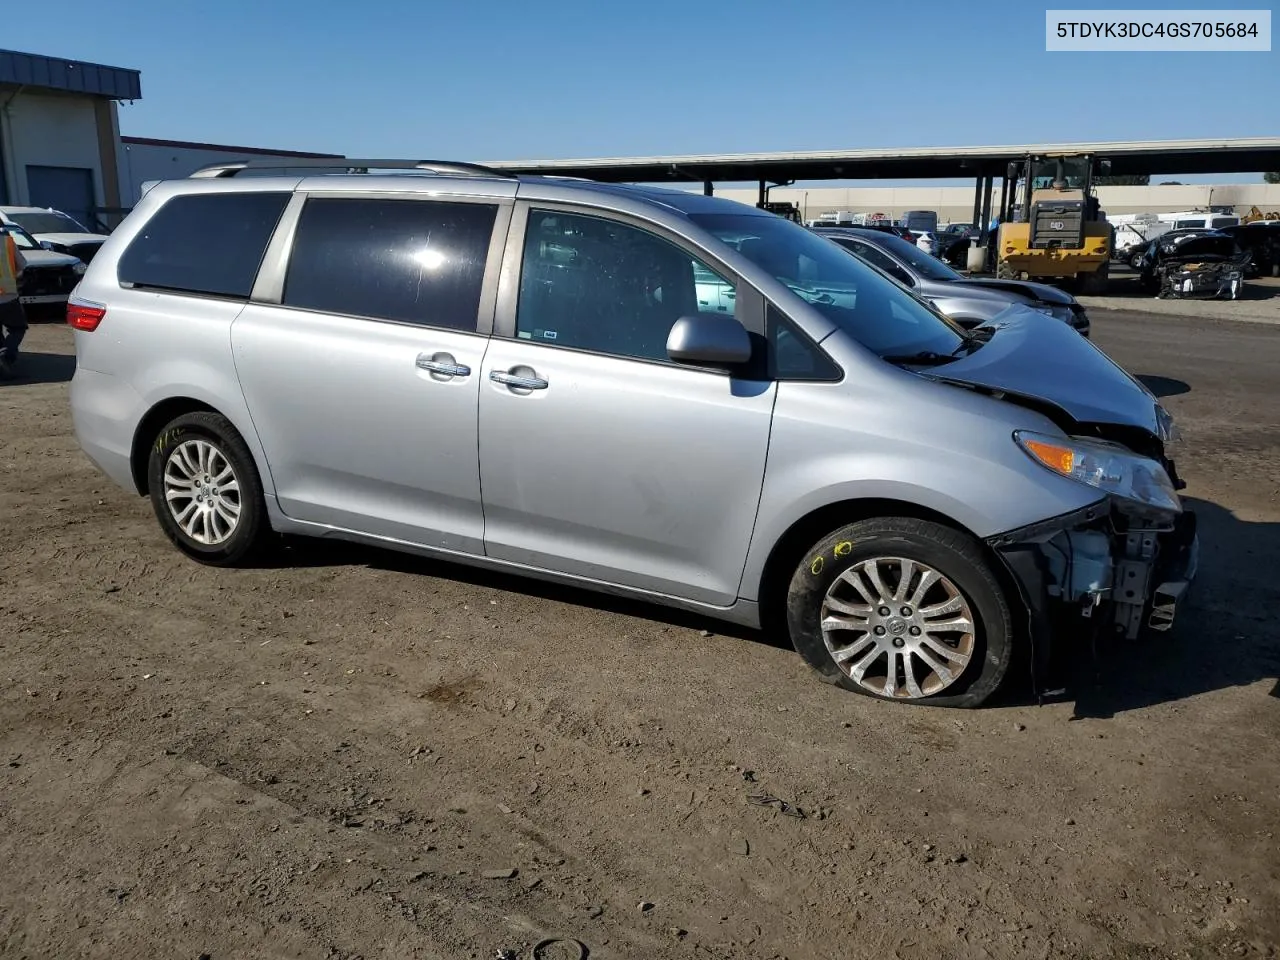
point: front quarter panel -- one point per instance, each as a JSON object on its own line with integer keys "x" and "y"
{"x": 897, "y": 436}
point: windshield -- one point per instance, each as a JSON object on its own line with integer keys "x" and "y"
{"x": 1074, "y": 170}
{"x": 22, "y": 239}
{"x": 50, "y": 221}
{"x": 929, "y": 267}
{"x": 862, "y": 302}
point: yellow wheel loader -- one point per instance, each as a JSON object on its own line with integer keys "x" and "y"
{"x": 1059, "y": 232}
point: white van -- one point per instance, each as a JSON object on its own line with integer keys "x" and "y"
{"x": 1136, "y": 230}
{"x": 1199, "y": 219}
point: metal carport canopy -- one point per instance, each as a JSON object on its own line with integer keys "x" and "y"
{"x": 1244, "y": 155}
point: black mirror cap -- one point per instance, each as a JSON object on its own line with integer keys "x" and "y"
{"x": 709, "y": 340}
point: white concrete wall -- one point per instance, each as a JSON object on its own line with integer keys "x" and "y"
{"x": 140, "y": 162}
{"x": 47, "y": 129}
{"x": 956, "y": 203}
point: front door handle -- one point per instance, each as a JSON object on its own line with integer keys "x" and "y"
{"x": 442, "y": 364}
{"x": 517, "y": 381}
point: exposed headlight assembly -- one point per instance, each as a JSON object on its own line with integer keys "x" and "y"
{"x": 1110, "y": 468}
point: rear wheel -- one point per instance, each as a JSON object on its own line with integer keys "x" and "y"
{"x": 205, "y": 490}
{"x": 902, "y": 609}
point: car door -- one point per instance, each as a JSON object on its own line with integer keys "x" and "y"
{"x": 599, "y": 457}
{"x": 362, "y": 379}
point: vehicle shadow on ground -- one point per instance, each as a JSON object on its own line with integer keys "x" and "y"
{"x": 33, "y": 368}
{"x": 304, "y": 552}
{"x": 1163, "y": 386}
{"x": 1226, "y": 637}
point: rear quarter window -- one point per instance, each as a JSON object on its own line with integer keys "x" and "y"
{"x": 207, "y": 243}
{"x": 409, "y": 260}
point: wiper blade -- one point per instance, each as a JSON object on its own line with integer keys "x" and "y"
{"x": 923, "y": 358}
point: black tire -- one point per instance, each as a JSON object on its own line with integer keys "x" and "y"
{"x": 1096, "y": 283}
{"x": 248, "y": 536}
{"x": 954, "y": 555}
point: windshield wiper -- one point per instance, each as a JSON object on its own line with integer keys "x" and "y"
{"x": 923, "y": 358}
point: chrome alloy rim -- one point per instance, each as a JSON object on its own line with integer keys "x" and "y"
{"x": 202, "y": 491}
{"x": 898, "y": 628}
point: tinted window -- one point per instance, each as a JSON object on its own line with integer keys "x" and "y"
{"x": 417, "y": 261}
{"x": 792, "y": 355}
{"x": 600, "y": 285}
{"x": 204, "y": 243}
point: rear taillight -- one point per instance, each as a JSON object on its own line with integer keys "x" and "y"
{"x": 83, "y": 315}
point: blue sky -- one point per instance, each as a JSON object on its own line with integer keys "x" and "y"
{"x": 520, "y": 80}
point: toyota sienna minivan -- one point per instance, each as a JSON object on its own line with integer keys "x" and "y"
{"x": 635, "y": 390}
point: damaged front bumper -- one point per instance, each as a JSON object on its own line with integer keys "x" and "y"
{"x": 1201, "y": 281}
{"x": 1098, "y": 572}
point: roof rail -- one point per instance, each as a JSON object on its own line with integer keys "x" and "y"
{"x": 443, "y": 167}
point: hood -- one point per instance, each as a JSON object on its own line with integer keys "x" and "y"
{"x": 66, "y": 239}
{"x": 47, "y": 258}
{"x": 1193, "y": 247}
{"x": 1021, "y": 288}
{"x": 1034, "y": 356}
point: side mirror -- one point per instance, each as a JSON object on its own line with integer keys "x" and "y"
{"x": 1013, "y": 171}
{"x": 46, "y": 244}
{"x": 709, "y": 340}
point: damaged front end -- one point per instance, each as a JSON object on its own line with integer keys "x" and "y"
{"x": 1117, "y": 568}
{"x": 1215, "y": 280}
{"x": 1201, "y": 265}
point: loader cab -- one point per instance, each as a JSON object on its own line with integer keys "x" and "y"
{"x": 1062, "y": 201}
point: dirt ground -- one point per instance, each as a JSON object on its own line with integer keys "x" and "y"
{"x": 326, "y": 758}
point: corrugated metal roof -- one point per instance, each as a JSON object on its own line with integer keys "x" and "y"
{"x": 1127, "y": 157}
{"x": 75, "y": 76}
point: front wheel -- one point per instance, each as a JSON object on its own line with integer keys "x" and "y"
{"x": 902, "y": 609}
{"x": 1095, "y": 283}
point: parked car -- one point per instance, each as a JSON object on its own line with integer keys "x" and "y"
{"x": 55, "y": 231}
{"x": 1261, "y": 240}
{"x": 515, "y": 373}
{"x": 49, "y": 277}
{"x": 895, "y": 229}
{"x": 1201, "y": 264}
{"x": 967, "y": 300}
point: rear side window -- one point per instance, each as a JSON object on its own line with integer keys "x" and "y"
{"x": 416, "y": 261}
{"x": 210, "y": 243}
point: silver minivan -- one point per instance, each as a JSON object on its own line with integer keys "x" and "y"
{"x": 636, "y": 390}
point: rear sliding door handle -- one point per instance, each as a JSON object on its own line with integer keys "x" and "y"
{"x": 517, "y": 381}
{"x": 442, "y": 364}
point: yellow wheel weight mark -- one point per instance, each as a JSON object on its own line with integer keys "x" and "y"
{"x": 816, "y": 567}
{"x": 843, "y": 548}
